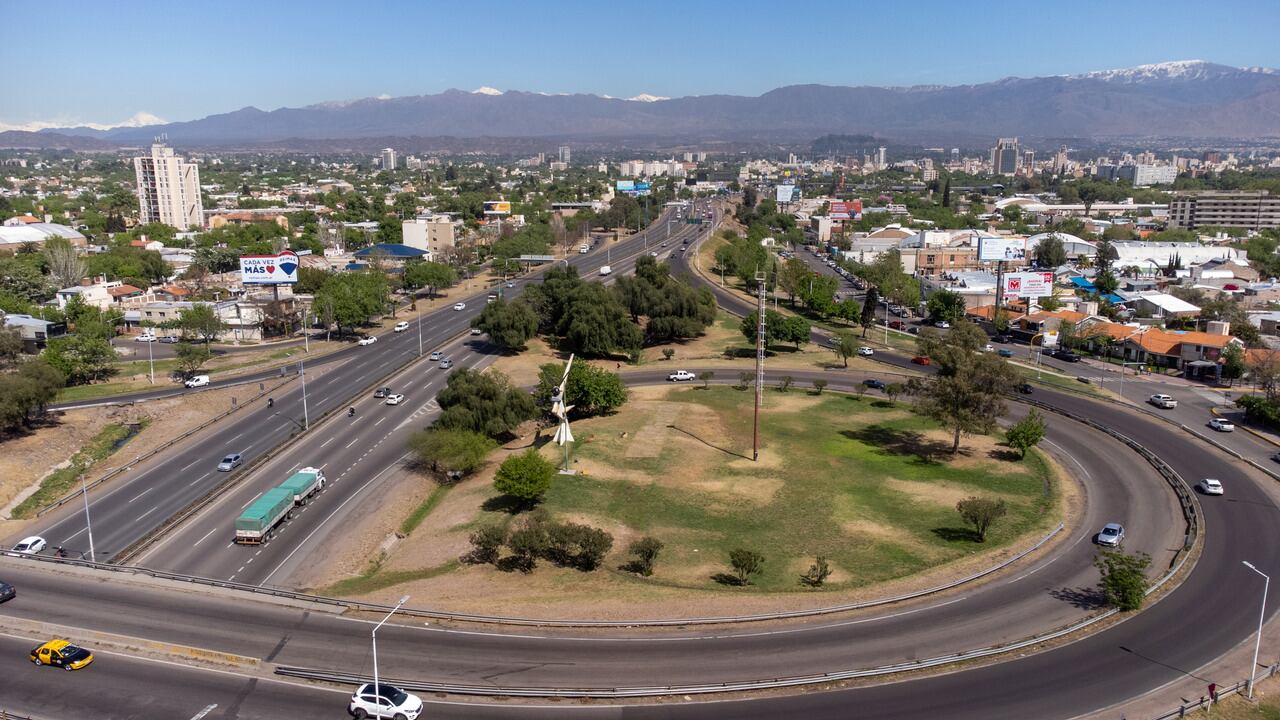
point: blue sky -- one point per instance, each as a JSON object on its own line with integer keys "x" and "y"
{"x": 83, "y": 61}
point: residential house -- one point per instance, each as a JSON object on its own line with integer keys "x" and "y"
{"x": 103, "y": 294}
{"x": 35, "y": 332}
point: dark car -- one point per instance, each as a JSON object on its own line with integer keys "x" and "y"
{"x": 1026, "y": 389}
{"x": 1005, "y": 352}
{"x": 1066, "y": 356}
{"x": 7, "y": 591}
{"x": 1003, "y": 338}
{"x": 382, "y": 392}
{"x": 874, "y": 383}
{"x": 896, "y": 324}
{"x": 920, "y": 360}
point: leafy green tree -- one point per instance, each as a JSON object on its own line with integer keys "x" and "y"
{"x": 1123, "y": 579}
{"x": 25, "y": 394}
{"x": 746, "y": 564}
{"x": 980, "y": 513}
{"x": 509, "y": 325}
{"x": 1050, "y": 252}
{"x": 845, "y": 346}
{"x": 66, "y": 267}
{"x": 1233, "y": 363}
{"x": 946, "y": 305}
{"x": 201, "y": 321}
{"x": 591, "y": 390}
{"x": 792, "y": 277}
{"x": 525, "y": 477}
{"x": 673, "y": 310}
{"x": 350, "y": 299}
{"x": 967, "y": 393}
{"x": 867, "y": 318}
{"x": 646, "y": 550}
{"x": 596, "y": 324}
{"x": 706, "y": 379}
{"x": 1066, "y": 334}
{"x": 483, "y": 402}
{"x": 451, "y": 453}
{"x": 819, "y": 294}
{"x": 24, "y": 280}
{"x": 1027, "y": 432}
{"x": 191, "y": 358}
{"x": 11, "y": 346}
{"x": 893, "y": 390}
{"x": 431, "y": 275}
{"x": 81, "y": 358}
{"x": 818, "y": 572}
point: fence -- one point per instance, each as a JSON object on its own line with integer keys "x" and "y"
{"x": 1205, "y": 701}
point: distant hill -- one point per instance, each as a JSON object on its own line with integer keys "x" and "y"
{"x": 24, "y": 140}
{"x": 1176, "y": 99}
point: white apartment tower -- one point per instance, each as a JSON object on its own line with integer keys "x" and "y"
{"x": 168, "y": 189}
{"x": 388, "y": 159}
{"x": 565, "y": 154}
{"x": 881, "y": 158}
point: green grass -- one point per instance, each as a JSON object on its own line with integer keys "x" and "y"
{"x": 421, "y": 512}
{"x": 374, "y": 579}
{"x": 837, "y": 454}
{"x": 62, "y": 481}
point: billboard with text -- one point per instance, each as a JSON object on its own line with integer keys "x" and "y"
{"x": 993, "y": 249}
{"x": 842, "y": 210}
{"x": 785, "y": 192}
{"x": 626, "y": 185}
{"x": 497, "y": 207}
{"x": 1029, "y": 284}
{"x": 269, "y": 269}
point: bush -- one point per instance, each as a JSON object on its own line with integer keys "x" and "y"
{"x": 1260, "y": 410}
{"x": 819, "y": 385}
{"x": 526, "y": 477}
{"x": 981, "y": 512}
{"x": 578, "y": 546}
{"x": 527, "y": 543}
{"x": 746, "y": 563}
{"x": 485, "y": 544}
{"x": 1124, "y": 578}
{"x": 818, "y": 572}
{"x": 646, "y": 550}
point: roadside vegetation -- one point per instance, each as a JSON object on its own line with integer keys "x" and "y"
{"x": 66, "y": 479}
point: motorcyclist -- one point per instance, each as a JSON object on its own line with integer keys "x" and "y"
{"x": 271, "y": 402}
{"x": 351, "y": 412}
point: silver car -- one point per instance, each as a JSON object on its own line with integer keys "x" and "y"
{"x": 230, "y": 462}
{"x": 1112, "y": 535}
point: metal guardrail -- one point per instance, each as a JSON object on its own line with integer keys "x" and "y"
{"x": 156, "y": 450}
{"x": 1206, "y": 702}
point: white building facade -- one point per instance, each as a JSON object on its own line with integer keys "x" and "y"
{"x": 168, "y": 189}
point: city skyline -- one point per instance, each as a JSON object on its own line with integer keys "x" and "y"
{"x": 667, "y": 51}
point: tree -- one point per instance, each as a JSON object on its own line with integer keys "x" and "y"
{"x": 1050, "y": 252}
{"x": 1264, "y": 371}
{"x": 509, "y": 325}
{"x": 527, "y": 543}
{"x": 202, "y": 321}
{"x": 486, "y": 542}
{"x": 350, "y": 299}
{"x": 191, "y": 358}
{"x": 819, "y": 385}
{"x": 946, "y": 193}
{"x": 1123, "y": 580}
{"x": 1066, "y": 334}
{"x": 11, "y": 346}
{"x": 946, "y": 305}
{"x": 746, "y": 564}
{"x": 1233, "y": 364}
{"x": 668, "y": 353}
{"x": 1027, "y": 432}
{"x": 967, "y": 393}
{"x": 578, "y": 546}
{"x": 431, "y": 275}
{"x": 793, "y": 276}
{"x": 893, "y": 390}
{"x": 785, "y": 382}
{"x": 591, "y": 390}
{"x": 646, "y": 550}
{"x": 706, "y": 379}
{"x": 818, "y": 572}
{"x": 451, "y": 453}
{"x": 868, "y": 316}
{"x": 525, "y": 477}
{"x": 25, "y": 394}
{"x": 66, "y": 268}
{"x": 595, "y": 324}
{"x": 845, "y": 346}
{"x": 980, "y": 513}
{"x": 81, "y": 358}
{"x": 483, "y": 402}
{"x": 23, "y": 280}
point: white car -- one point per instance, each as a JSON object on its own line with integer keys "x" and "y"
{"x": 866, "y": 351}
{"x": 196, "y": 381}
{"x": 459, "y": 306}
{"x": 388, "y": 701}
{"x": 988, "y": 348}
{"x": 446, "y": 363}
{"x": 681, "y": 376}
{"x": 1222, "y": 425}
{"x": 1210, "y": 486}
{"x": 395, "y": 399}
{"x": 30, "y": 545}
{"x": 942, "y": 324}
{"x": 476, "y": 331}
{"x": 606, "y": 270}
{"x": 368, "y": 340}
{"x": 145, "y": 337}
{"x": 435, "y": 355}
{"x": 401, "y": 326}
{"x": 1163, "y": 401}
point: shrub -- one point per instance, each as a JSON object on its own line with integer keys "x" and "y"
{"x": 746, "y": 563}
{"x": 526, "y": 477}
{"x": 646, "y": 550}
{"x": 485, "y": 544}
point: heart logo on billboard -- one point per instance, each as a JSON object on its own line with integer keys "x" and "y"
{"x": 271, "y": 269}
{"x": 288, "y": 267}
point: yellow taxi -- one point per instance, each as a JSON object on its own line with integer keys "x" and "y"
{"x": 61, "y": 653}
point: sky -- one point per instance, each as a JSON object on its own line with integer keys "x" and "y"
{"x": 70, "y": 62}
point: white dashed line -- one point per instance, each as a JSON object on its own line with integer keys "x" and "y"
{"x": 326, "y": 442}
{"x": 206, "y": 535}
{"x": 153, "y": 509}
{"x": 144, "y": 492}
{"x": 353, "y": 442}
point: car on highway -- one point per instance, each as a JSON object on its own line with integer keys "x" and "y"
{"x": 1005, "y": 353}
{"x": 606, "y": 270}
{"x": 61, "y": 653}
{"x": 445, "y": 364}
{"x": 942, "y": 324}
{"x": 387, "y": 701}
{"x": 367, "y": 340}
{"x": 873, "y": 383}
{"x": 7, "y": 592}
{"x": 169, "y": 339}
{"x": 866, "y": 351}
{"x": 1002, "y": 338}
{"x": 30, "y": 545}
{"x": 988, "y": 348}
{"x": 1163, "y": 401}
{"x": 382, "y": 392}
{"x": 920, "y": 360}
{"x": 196, "y": 381}
{"x": 1210, "y": 486}
{"x": 460, "y": 306}
{"x": 435, "y": 355}
{"x": 896, "y": 324}
{"x": 653, "y": 253}
{"x": 145, "y": 337}
{"x": 510, "y": 284}
{"x": 1112, "y": 535}
{"x": 681, "y": 376}
{"x": 1065, "y": 356}
{"x": 395, "y": 399}
{"x": 1026, "y": 388}
{"x": 477, "y": 331}
{"x": 1222, "y": 425}
{"x": 230, "y": 462}
{"x": 401, "y": 326}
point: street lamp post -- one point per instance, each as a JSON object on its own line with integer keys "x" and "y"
{"x": 1262, "y": 613}
{"x": 419, "y": 333}
{"x": 151, "y": 362}
{"x": 302, "y": 371}
{"x": 377, "y": 689}
{"x": 84, "y": 490}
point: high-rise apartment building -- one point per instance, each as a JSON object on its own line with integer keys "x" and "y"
{"x": 565, "y": 154}
{"x": 388, "y": 159}
{"x": 881, "y": 157}
{"x": 1005, "y": 159}
{"x": 168, "y": 189}
{"x": 1029, "y": 160}
{"x": 1254, "y": 210}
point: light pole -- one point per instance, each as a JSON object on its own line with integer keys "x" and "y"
{"x": 376, "y": 687}
{"x": 84, "y": 490}
{"x": 302, "y": 371}
{"x": 1262, "y": 613}
{"x": 419, "y": 333}
{"x": 151, "y": 361}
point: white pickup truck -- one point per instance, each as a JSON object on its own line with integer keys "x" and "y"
{"x": 606, "y": 270}
{"x": 1163, "y": 401}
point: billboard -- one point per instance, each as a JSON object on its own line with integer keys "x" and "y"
{"x": 784, "y": 193}
{"x": 841, "y": 210}
{"x": 497, "y": 207}
{"x": 626, "y": 185}
{"x": 992, "y": 249}
{"x": 269, "y": 269}
{"x": 1029, "y": 284}
{"x": 642, "y": 188}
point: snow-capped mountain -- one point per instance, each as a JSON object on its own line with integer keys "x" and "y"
{"x": 137, "y": 120}
{"x": 646, "y": 97}
{"x": 1175, "y": 70}
{"x": 486, "y": 90}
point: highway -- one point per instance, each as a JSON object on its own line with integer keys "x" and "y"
{"x": 1195, "y": 623}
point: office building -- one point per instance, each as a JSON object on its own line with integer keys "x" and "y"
{"x": 564, "y": 154}
{"x": 168, "y": 189}
{"x": 880, "y": 158}
{"x": 1029, "y": 160}
{"x": 388, "y": 159}
{"x": 1004, "y": 156}
{"x": 433, "y": 233}
{"x": 1148, "y": 174}
{"x": 1255, "y": 210}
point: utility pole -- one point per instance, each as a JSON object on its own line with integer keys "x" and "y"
{"x": 760, "y": 347}
{"x": 302, "y": 371}
{"x": 84, "y": 490}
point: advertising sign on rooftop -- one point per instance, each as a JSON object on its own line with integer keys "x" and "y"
{"x": 269, "y": 269}
{"x": 994, "y": 249}
{"x": 626, "y": 185}
{"x": 841, "y": 210}
{"x": 1029, "y": 284}
{"x": 784, "y": 193}
{"x": 497, "y": 207}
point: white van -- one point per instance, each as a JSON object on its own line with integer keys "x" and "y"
{"x": 197, "y": 381}
{"x": 605, "y": 270}
{"x": 583, "y": 249}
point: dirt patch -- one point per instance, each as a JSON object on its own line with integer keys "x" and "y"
{"x": 984, "y": 452}
{"x": 939, "y": 493}
{"x": 523, "y": 368}
{"x": 650, "y": 439}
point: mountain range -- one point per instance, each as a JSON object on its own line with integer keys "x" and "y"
{"x": 1176, "y": 99}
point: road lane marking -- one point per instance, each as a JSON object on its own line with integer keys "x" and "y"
{"x": 237, "y": 437}
{"x": 207, "y": 709}
{"x": 144, "y": 492}
{"x": 326, "y": 442}
{"x": 384, "y": 417}
{"x": 153, "y": 509}
{"x": 202, "y": 477}
{"x": 353, "y": 442}
{"x": 255, "y": 497}
{"x": 206, "y": 536}
{"x": 193, "y": 462}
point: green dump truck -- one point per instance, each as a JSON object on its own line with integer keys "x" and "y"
{"x": 260, "y": 518}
